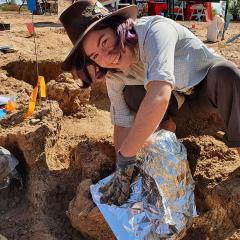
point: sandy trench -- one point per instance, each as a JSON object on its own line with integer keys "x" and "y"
{"x": 69, "y": 141}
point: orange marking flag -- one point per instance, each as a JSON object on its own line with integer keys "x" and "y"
{"x": 30, "y": 29}
{"x": 42, "y": 86}
{"x": 33, "y": 97}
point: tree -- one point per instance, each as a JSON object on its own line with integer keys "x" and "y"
{"x": 214, "y": 12}
{"x": 12, "y": 2}
{"x": 234, "y": 9}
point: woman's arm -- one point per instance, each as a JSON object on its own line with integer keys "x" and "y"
{"x": 150, "y": 114}
{"x": 119, "y": 135}
{"x": 159, "y": 55}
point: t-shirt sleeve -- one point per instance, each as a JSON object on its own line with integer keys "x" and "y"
{"x": 159, "y": 51}
{"x": 120, "y": 113}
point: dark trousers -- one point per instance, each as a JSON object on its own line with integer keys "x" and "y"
{"x": 219, "y": 91}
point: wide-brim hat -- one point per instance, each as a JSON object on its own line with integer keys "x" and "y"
{"x": 81, "y": 17}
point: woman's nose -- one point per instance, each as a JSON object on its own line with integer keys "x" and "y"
{"x": 106, "y": 51}
{"x": 104, "y": 56}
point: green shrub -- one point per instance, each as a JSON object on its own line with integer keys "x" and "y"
{"x": 214, "y": 12}
{"x": 9, "y": 7}
{"x": 234, "y": 9}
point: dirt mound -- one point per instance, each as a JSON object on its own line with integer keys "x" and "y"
{"x": 28, "y": 137}
{"x": 68, "y": 93}
{"x": 86, "y": 217}
{"x": 216, "y": 172}
{"x": 31, "y": 137}
{"x": 96, "y": 158}
{"x": 41, "y": 211}
{"x": 73, "y": 100}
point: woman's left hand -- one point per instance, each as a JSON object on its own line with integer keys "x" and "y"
{"x": 118, "y": 189}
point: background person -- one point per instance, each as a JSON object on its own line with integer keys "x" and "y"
{"x": 215, "y": 29}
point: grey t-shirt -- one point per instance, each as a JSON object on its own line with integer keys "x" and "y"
{"x": 167, "y": 52}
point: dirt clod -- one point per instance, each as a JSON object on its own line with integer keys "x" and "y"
{"x": 86, "y": 217}
{"x": 68, "y": 93}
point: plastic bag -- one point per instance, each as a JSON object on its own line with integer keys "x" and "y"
{"x": 8, "y": 163}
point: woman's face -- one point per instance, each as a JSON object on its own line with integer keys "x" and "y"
{"x": 99, "y": 47}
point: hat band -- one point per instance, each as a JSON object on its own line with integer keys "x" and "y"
{"x": 95, "y": 10}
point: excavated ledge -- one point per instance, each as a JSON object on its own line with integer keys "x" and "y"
{"x": 26, "y": 70}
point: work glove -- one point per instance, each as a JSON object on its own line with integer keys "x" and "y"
{"x": 117, "y": 190}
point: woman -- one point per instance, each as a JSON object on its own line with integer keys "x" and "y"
{"x": 144, "y": 62}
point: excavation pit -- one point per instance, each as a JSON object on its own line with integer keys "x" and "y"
{"x": 27, "y": 70}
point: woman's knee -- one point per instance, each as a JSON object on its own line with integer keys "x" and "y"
{"x": 225, "y": 71}
{"x": 223, "y": 80}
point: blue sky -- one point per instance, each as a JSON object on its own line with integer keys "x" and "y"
{"x": 17, "y": 1}
{"x": 217, "y": 6}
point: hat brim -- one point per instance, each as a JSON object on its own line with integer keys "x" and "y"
{"x": 128, "y": 11}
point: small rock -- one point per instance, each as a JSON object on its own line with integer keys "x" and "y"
{"x": 3, "y": 76}
{"x": 34, "y": 121}
{"x": 2, "y": 237}
{"x": 219, "y": 135}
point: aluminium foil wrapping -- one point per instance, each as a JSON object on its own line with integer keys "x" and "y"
{"x": 161, "y": 204}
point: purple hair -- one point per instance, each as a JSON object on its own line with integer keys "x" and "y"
{"x": 126, "y": 36}
{"x": 124, "y": 28}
